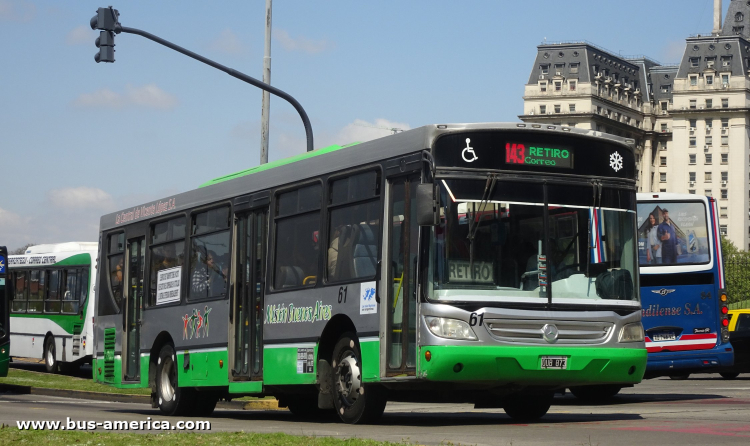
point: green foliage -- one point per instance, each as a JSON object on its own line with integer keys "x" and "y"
{"x": 737, "y": 272}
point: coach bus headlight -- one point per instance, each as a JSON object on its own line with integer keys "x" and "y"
{"x": 450, "y": 328}
{"x": 631, "y": 333}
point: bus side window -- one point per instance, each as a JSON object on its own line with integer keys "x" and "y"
{"x": 83, "y": 285}
{"x": 297, "y": 236}
{"x": 19, "y": 296}
{"x": 52, "y": 297}
{"x": 36, "y": 291}
{"x": 116, "y": 265}
{"x": 69, "y": 297}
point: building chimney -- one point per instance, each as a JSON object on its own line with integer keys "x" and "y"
{"x": 717, "y": 17}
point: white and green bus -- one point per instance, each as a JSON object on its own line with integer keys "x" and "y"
{"x": 484, "y": 263}
{"x": 52, "y": 303}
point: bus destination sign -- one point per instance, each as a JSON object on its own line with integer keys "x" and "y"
{"x": 516, "y": 153}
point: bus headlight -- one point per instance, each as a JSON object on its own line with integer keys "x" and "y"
{"x": 631, "y": 333}
{"x": 450, "y": 328}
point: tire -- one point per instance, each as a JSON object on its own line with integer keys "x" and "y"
{"x": 729, "y": 375}
{"x": 681, "y": 377}
{"x": 355, "y": 402}
{"x": 524, "y": 407}
{"x": 50, "y": 358}
{"x": 306, "y": 407}
{"x": 595, "y": 394}
{"x": 172, "y": 399}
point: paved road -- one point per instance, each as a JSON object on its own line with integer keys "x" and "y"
{"x": 700, "y": 411}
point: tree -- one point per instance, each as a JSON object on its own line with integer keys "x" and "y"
{"x": 21, "y": 250}
{"x": 736, "y": 272}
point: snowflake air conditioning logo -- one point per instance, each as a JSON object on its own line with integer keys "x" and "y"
{"x": 615, "y": 161}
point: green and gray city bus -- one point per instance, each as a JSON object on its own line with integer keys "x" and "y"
{"x": 485, "y": 263}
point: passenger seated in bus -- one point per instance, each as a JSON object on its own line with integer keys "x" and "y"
{"x": 207, "y": 278}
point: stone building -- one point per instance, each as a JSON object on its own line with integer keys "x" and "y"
{"x": 690, "y": 121}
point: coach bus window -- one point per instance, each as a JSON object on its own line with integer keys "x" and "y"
{"x": 83, "y": 286}
{"x": 354, "y": 225}
{"x": 20, "y": 291}
{"x": 297, "y": 234}
{"x": 52, "y": 299}
{"x": 116, "y": 264}
{"x": 70, "y": 292}
{"x": 167, "y": 252}
{"x": 209, "y": 254}
{"x": 36, "y": 291}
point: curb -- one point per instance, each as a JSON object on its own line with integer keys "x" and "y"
{"x": 135, "y": 399}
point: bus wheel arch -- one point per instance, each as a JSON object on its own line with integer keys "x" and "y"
{"x": 334, "y": 329}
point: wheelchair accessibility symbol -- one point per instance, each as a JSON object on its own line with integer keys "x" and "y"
{"x": 469, "y": 150}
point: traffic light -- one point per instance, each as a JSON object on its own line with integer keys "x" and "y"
{"x": 106, "y": 20}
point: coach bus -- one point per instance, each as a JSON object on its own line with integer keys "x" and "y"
{"x": 4, "y": 317}
{"x": 683, "y": 290}
{"x": 52, "y": 303}
{"x": 483, "y": 263}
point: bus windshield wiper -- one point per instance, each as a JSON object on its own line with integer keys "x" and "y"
{"x": 489, "y": 187}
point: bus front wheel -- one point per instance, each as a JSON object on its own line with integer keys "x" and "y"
{"x": 172, "y": 399}
{"x": 527, "y": 407}
{"x": 354, "y": 401}
{"x": 50, "y": 360}
{"x": 598, "y": 393}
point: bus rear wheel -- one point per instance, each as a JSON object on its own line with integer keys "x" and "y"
{"x": 595, "y": 393}
{"x": 354, "y": 401}
{"x": 680, "y": 377}
{"x": 729, "y": 375}
{"x": 527, "y": 407}
{"x": 172, "y": 399}
{"x": 50, "y": 360}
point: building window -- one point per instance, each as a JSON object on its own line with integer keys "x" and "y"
{"x": 664, "y": 128}
{"x": 723, "y": 230}
{"x": 724, "y": 177}
{"x": 695, "y": 62}
{"x": 691, "y": 191}
{"x": 664, "y": 106}
{"x": 663, "y": 161}
{"x": 726, "y": 61}
{"x": 709, "y": 79}
{"x": 572, "y": 108}
{"x": 692, "y": 141}
{"x": 724, "y": 158}
{"x": 691, "y": 176}
{"x": 544, "y": 69}
{"x": 709, "y": 140}
{"x": 543, "y": 87}
{"x": 558, "y": 86}
{"x": 693, "y": 124}
{"x": 543, "y": 109}
{"x": 693, "y": 81}
{"x": 707, "y": 177}
{"x": 725, "y": 140}
{"x": 692, "y": 157}
{"x": 559, "y": 67}
{"x": 724, "y": 102}
{"x": 662, "y": 190}
{"x": 665, "y": 88}
{"x": 663, "y": 177}
{"x": 709, "y": 122}
{"x": 572, "y": 85}
{"x": 574, "y": 68}
{"x": 724, "y": 122}
{"x": 708, "y": 193}
{"x": 725, "y": 80}
{"x": 557, "y": 108}
{"x": 724, "y": 212}
{"x": 710, "y": 62}
{"x": 709, "y": 158}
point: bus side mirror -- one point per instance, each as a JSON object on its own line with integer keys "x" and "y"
{"x": 428, "y": 205}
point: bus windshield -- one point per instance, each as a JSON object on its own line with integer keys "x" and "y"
{"x": 672, "y": 233}
{"x": 492, "y": 243}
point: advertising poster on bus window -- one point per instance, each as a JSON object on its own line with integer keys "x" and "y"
{"x": 672, "y": 233}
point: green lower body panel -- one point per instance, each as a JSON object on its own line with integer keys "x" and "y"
{"x": 502, "y": 365}
{"x": 203, "y": 369}
{"x": 246, "y": 387}
{"x": 370, "y": 361}
{"x": 284, "y": 365}
{"x": 4, "y": 359}
{"x": 97, "y": 365}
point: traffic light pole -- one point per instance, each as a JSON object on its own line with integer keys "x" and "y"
{"x": 233, "y": 73}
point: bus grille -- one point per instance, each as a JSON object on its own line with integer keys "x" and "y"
{"x": 109, "y": 355}
{"x": 530, "y": 331}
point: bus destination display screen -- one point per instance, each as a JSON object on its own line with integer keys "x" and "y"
{"x": 516, "y": 153}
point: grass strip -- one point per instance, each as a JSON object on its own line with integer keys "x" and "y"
{"x": 10, "y": 435}
{"x": 63, "y": 382}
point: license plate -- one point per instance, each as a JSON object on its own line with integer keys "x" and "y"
{"x": 664, "y": 337}
{"x": 554, "y": 362}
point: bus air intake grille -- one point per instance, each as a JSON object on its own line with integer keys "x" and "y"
{"x": 109, "y": 355}
{"x": 531, "y": 331}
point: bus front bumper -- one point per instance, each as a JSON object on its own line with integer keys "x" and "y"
{"x": 502, "y": 365}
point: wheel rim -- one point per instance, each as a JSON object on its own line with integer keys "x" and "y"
{"x": 166, "y": 383}
{"x": 348, "y": 379}
{"x": 50, "y": 354}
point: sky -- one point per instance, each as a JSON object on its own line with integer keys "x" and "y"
{"x": 79, "y": 139}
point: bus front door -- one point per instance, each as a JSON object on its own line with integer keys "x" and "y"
{"x": 134, "y": 273}
{"x": 401, "y": 272}
{"x": 247, "y": 302}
